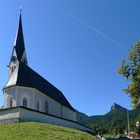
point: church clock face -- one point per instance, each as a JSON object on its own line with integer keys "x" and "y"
{"x": 14, "y": 59}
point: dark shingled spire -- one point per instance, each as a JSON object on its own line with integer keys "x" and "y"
{"x": 19, "y": 41}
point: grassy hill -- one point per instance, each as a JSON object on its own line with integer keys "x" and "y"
{"x": 40, "y": 131}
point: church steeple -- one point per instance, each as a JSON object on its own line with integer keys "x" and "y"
{"x": 18, "y": 53}
{"x": 19, "y": 41}
{"x": 19, "y": 45}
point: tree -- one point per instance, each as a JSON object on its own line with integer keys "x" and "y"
{"x": 130, "y": 69}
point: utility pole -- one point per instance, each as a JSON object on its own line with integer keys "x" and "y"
{"x": 128, "y": 125}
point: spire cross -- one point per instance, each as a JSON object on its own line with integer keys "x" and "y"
{"x": 20, "y": 9}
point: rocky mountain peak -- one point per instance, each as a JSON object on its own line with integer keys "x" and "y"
{"x": 115, "y": 106}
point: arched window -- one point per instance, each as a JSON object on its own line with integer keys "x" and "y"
{"x": 46, "y": 107}
{"x": 24, "y": 102}
{"x": 38, "y": 105}
{"x": 11, "y": 102}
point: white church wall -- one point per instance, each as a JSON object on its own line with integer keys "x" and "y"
{"x": 29, "y": 115}
{"x": 9, "y": 116}
{"x": 54, "y": 107}
{"x": 21, "y": 114}
{"x": 10, "y": 93}
{"x": 68, "y": 114}
{"x": 33, "y": 95}
{"x": 5, "y": 99}
{"x": 18, "y": 93}
{"x": 24, "y": 92}
{"x": 38, "y": 104}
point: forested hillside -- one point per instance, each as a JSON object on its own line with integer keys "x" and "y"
{"x": 114, "y": 122}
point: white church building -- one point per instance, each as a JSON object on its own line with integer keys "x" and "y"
{"x": 30, "y": 97}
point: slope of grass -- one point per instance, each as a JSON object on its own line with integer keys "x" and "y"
{"x": 40, "y": 131}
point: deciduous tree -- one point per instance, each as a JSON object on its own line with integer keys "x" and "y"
{"x": 130, "y": 69}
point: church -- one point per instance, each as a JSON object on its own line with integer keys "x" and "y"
{"x": 30, "y": 97}
{"x": 27, "y": 88}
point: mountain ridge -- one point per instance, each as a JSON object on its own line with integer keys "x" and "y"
{"x": 114, "y": 121}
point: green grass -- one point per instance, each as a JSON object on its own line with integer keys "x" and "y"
{"x": 108, "y": 135}
{"x": 41, "y": 131}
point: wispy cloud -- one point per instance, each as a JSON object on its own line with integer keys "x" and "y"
{"x": 88, "y": 26}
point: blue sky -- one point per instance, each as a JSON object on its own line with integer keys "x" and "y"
{"x": 77, "y": 45}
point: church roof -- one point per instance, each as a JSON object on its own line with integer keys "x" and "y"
{"x": 19, "y": 41}
{"x": 26, "y": 77}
